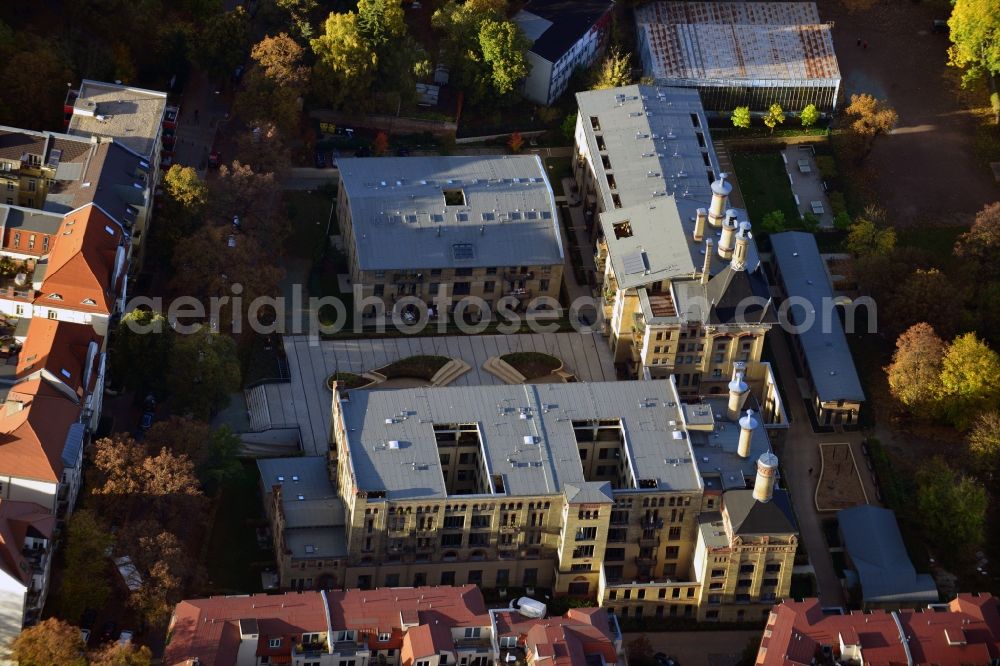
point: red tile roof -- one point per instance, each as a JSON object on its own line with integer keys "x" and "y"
{"x": 566, "y": 640}
{"x": 62, "y": 349}
{"x": 209, "y": 628}
{"x": 378, "y": 611}
{"x": 967, "y": 631}
{"x": 34, "y": 422}
{"x": 81, "y": 266}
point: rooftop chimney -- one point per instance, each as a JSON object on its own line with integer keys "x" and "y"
{"x": 699, "y": 224}
{"x": 706, "y": 269}
{"x": 767, "y": 468}
{"x": 747, "y": 425}
{"x": 738, "y": 391}
{"x": 720, "y": 199}
{"x": 743, "y": 237}
{"x": 728, "y": 240}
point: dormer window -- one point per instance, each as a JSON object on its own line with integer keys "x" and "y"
{"x": 55, "y": 297}
{"x": 274, "y": 643}
{"x": 89, "y": 301}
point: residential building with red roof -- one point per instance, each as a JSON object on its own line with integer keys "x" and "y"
{"x": 963, "y": 631}
{"x": 428, "y": 626}
{"x": 25, "y": 560}
{"x": 582, "y": 637}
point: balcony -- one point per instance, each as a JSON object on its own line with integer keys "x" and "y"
{"x": 651, "y": 540}
{"x": 518, "y": 292}
{"x": 645, "y": 559}
{"x": 310, "y": 650}
{"x": 516, "y": 275}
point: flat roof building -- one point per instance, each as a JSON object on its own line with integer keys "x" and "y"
{"x": 741, "y": 53}
{"x": 820, "y": 342}
{"x": 648, "y": 174}
{"x": 132, "y": 116}
{"x": 458, "y": 226}
{"x": 484, "y": 485}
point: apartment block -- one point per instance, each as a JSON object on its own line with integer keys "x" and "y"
{"x": 565, "y": 35}
{"x": 138, "y": 120}
{"x": 593, "y": 490}
{"x": 684, "y": 293}
{"x": 412, "y": 626}
{"x": 422, "y": 228}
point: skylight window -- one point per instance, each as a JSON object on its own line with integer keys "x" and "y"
{"x": 454, "y": 197}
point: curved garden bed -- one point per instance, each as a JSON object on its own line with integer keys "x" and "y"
{"x": 414, "y": 367}
{"x": 532, "y": 365}
{"x": 347, "y": 380}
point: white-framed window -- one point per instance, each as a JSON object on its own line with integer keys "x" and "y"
{"x": 473, "y": 632}
{"x": 508, "y": 641}
{"x": 349, "y": 635}
{"x": 274, "y": 643}
{"x": 384, "y": 638}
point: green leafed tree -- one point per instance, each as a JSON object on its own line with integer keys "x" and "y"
{"x": 950, "y": 503}
{"x": 984, "y": 443}
{"x": 222, "y": 43}
{"x": 975, "y": 35}
{"x": 381, "y": 23}
{"x": 775, "y": 116}
{"x": 345, "y": 62}
{"x": 141, "y": 350}
{"x": 916, "y": 369}
{"x": 869, "y": 235}
{"x": 614, "y": 71}
{"x": 968, "y": 383}
{"x": 568, "y": 127}
{"x": 809, "y": 115}
{"x": 504, "y": 46}
{"x": 773, "y": 222}
{"x": 300, "y": 12}
{"x": 85, "y": 582}
{"x": 204, "y": 371}
{"x": 741, "y": 117}
{"x": 185, "y": 186}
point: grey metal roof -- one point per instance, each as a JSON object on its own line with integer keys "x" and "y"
{"x": 401, "y": 220}
{"x": 133, "y": 116}
{"x": 30, "y": 220}
{"x": 74, "y": 442}
{"x": 657, "y": 161}
{"x": 737, "y": 297}
{"x": 656, "y": 447}
{"x": 875, "y": 546}
{"x": 804, "y": 276}
{"x": 701, "y": 43}
{"x": 720, "y": 466}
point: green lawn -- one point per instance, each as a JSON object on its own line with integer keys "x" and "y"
{"x": 233, "y": 561}
{"x": 764, "y": 185}
{"x": 557, "y": 169}
{"x": 308, "y": 213}
{"x": 936, "y": 240}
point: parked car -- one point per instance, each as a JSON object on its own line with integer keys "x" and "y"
{"x": 238, "y": 73}
{"x": 88, "y": 618}
{"x": 109, "y": 631}
{"x": 125, "y": 637}
{"x": 213, "y": 159}
{"x": 940, "y": 25}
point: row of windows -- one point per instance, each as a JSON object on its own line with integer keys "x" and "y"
{"x": 465, "y": 272}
